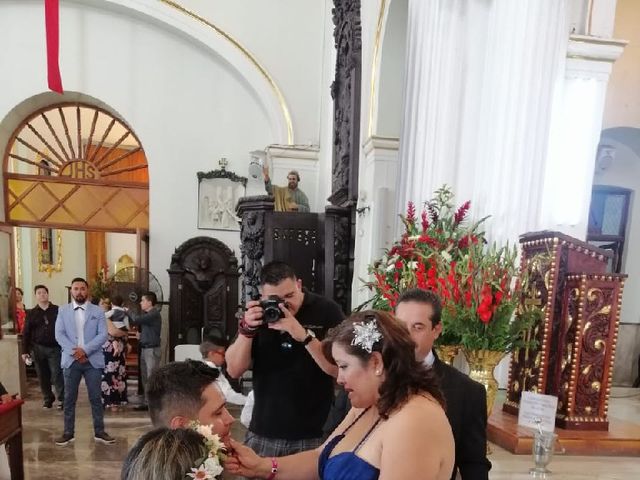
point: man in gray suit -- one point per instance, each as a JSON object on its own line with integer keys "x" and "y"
{"x": 81, "y": 330}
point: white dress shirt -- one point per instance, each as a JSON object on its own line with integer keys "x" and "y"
{"x": 247, "y": 410}
{"x": 229, "y": 393}
{"x": 78, "y": 315}
{"x": 429, "y": 359}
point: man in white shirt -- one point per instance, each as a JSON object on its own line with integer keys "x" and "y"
{"x": 213, "y": 350}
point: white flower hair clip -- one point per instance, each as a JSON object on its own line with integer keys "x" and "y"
{"x": 211, "y": 464}
{"x": 366, "y": 334}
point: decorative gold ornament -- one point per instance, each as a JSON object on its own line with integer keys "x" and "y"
{"x": 447, "y": 353}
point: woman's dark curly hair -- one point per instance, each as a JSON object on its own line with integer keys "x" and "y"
{"x": 404, "y": 375}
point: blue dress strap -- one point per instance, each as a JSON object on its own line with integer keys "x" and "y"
{"x": 364, "y": 439}
{"x": 346, "y": 465}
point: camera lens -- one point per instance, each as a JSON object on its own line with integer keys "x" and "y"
{"x": 271, "y": 314}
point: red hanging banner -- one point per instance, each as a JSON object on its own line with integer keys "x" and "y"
{"x": 52, "y": 25}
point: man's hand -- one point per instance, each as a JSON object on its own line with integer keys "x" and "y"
{"x": 6, "y": 398}
{"x": 293, "y": 207}
{"x": 245, "y": 462}
{"x": 253, "y": 314}
{"x": 79, "y": 354}
{"x": 290, "y": 325}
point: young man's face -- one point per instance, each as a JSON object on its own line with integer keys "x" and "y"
{"x": 417, "y": 317}
{"x": 289, "y": 290}
{"x": 216, "y": 356}
{"x": 214, "y": 412}
{"x": 145, "y": 304}
{"x": 79, "y": 292}
{"x": 42, "y": 296}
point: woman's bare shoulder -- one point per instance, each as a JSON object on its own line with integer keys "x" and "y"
{"x": 420, "y": 411}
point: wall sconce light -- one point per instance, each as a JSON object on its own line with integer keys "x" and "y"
{"x": 257, "y": 163}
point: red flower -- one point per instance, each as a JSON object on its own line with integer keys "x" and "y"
{"x": 461, "y": 212}
{"x": 411, "y": 213}
{"x": 485, "y": 314}
{"x": 421, "y": 279}
{"x": 467, "y": 298}
{"x": 425, "y": 221}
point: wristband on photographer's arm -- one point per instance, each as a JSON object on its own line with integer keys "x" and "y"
{"x": 245, "y": 330}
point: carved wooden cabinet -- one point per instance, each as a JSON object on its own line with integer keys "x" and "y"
{"x": 568, "y": 284}
{"x": 204, "y": 291}
{"x": 587, "y": 347}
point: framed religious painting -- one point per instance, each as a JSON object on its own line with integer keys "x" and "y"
{"x": 218, "y": 194}
{"x": 49, "y": 250}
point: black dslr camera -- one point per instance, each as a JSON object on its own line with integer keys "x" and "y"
{"x": 271, "y": 311}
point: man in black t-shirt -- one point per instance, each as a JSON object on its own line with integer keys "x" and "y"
{"x": 39, "y": 343}
{"x": 292, "y": 380}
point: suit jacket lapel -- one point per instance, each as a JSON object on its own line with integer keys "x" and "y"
{"x": 71, "y": 322}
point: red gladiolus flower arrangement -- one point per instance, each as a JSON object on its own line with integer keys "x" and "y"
{"x": 442, "y": 251}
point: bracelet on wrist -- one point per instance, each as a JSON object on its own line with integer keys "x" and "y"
{"x": 274, "y": 468}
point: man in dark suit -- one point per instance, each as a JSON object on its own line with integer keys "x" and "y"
{"x": 420, "y": 311}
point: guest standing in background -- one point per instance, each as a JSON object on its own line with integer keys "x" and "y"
{"x": 81, "y": 330}
{"x": 39, "y": 343}
{"x": 151, "y": 325}
{"x": 20, "y": 311}
{"x": 213, "y": 351}
{"x": 114, "y": 376}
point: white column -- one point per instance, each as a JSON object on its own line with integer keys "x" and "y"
{"x": 375, "y": 210}
{"x": 480, "y": 84}
{"x": 577, "y": 122}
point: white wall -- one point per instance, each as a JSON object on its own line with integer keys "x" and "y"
{"x": 287, "y": 37}
{"x": 119, "y": 244}
{"x": 73, "y": 265}
{"x": 188, "y": 104}
{"x": 392, "y": 69}
{"x": 625, "y": 172}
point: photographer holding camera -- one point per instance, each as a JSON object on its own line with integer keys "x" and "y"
{"x": 292, "y": 380}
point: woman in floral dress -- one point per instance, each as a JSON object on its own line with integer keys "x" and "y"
{"x": 114, "y": 377}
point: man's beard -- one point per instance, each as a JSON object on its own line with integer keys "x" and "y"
{"x": 292, "y": 185}
{"x": 79, "y": 299}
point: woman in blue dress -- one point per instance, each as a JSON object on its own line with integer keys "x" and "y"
{"x": 397, "y": 428}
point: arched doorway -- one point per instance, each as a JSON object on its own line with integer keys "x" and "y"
{"x": 76, "y": 166}
{"x": 73, "y": 171}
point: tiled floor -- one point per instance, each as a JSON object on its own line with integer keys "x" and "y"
{"x": 86, "y": 460}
